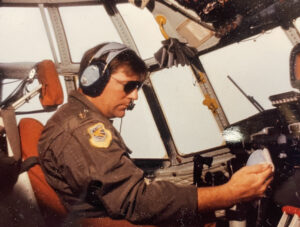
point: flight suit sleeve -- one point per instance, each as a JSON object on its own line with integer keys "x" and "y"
{"x": 109, "y": 178}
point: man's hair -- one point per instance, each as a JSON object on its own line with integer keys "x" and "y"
{"x": 126, "y": 58}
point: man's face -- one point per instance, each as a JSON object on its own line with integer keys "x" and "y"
{"x": 114, "y": 100}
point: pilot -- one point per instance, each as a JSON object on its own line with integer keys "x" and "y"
{"x": 87, "y": 163}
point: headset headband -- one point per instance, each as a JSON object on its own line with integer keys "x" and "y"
{"x": 113, "y": 49}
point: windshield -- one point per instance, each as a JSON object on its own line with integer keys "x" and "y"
{"x": 259, "y": 65}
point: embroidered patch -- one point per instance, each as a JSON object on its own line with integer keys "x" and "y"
{"x": 82, "y": 114}
{"x": 100, "y": 136}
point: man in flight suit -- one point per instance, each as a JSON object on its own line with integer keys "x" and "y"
{"x": 87, "y": 163}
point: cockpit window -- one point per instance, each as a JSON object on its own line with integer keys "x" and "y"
{"x": 85, "y": 27}
{"x": 21, "y": 38}
{"x": 139, "y": 131}
{"x": 259, "y": 65}
{"x": 147, "y": 42}
{"x": 192, "y": 125}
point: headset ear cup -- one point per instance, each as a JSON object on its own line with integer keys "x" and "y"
{"x": 95, "y": 79}
{"x": 103, "y": 79}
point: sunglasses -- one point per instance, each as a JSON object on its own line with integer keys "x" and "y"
{"x": 129, "y": 86}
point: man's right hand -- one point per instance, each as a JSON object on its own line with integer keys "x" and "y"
{"x": 248, "y": 183}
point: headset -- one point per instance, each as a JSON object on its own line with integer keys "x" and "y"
{"x": 95, "y": 77}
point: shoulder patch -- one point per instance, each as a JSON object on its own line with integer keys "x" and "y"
{"x": 100, "y": 137}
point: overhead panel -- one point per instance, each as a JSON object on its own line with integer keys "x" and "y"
{"x": 178, "y": 24}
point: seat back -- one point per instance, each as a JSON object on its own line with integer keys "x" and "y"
{"x": 52, "y": 93}
{"x": 50, "y": 206}
{"x": 30, "y": 130}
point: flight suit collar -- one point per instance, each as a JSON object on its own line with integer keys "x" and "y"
{"x": 76, "y": 95}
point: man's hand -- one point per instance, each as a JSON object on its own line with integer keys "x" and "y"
{"x": 248, "y": 183}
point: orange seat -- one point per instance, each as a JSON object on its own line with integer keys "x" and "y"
{"x": 51, "y": 208}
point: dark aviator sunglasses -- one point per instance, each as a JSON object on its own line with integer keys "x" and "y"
{"x": 131, "y": 85}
